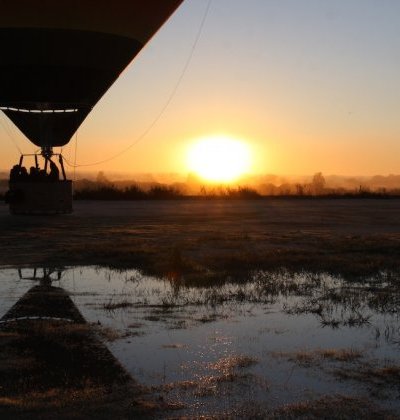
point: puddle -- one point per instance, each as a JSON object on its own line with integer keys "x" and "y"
{"x": 276, "y": 339}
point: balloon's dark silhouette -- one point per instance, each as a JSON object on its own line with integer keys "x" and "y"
{"x": 58, "y": 58}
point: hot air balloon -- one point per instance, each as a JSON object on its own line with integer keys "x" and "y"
{"x": 58, "y": 58}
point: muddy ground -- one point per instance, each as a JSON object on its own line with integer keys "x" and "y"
{"x": 211, "y": 239}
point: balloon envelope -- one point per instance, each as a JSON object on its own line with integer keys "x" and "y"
{"x": 59, "y": 57}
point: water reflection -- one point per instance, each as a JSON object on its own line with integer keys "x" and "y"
{"x": 45, "y": 275}
{"x": 52, "y": 358}
{"x": 272, "y": 339}
{"x": 43, "y": 301}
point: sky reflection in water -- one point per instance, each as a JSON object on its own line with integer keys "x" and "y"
{"x": 214, "y": 349}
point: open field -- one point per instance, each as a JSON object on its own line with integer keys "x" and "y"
{"x": 211, "y": 239}
{"x": 249, "y": 324}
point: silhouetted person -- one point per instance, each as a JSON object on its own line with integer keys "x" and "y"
{"x": 42, "y": 176}
{"x": 33, "y": 173}
{"x": 14, "y": 173}
{"x": 54, "y": 172}
{"x": 23, "y": 175}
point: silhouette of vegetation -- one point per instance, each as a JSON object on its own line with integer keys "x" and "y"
{"x": 159, "y": 192}
{"x": 165, "y": 192}
{"x": 133, "y": 192}
{"x": 229, "y": 192}
{"x": 317, "y": 186}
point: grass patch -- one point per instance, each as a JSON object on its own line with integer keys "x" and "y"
{"x": 113, "y": 305}
{"x": 223, "y": 377}
{"x": 309, "y": 357}
{"x": 367, "y": 373}
{"x": 338, "y": 407}
{"x": 175, "y": 346}
{"x": 325, "y": 235}
{"x": 340, "y": 355}
{"x": 228, "y": 364}
{"x": 112, "y": 334}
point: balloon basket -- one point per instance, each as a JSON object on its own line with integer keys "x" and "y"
{"x": 27, "y": 197}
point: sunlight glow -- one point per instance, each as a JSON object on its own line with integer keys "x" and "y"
{"x": 219, "y": 158}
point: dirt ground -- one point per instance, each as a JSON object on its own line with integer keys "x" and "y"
{"x": 211, "y": 239}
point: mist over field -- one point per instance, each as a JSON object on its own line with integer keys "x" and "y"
{"x": 267, "y": 184}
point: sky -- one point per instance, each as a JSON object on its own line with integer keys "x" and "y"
{"x": 308, "y": 85}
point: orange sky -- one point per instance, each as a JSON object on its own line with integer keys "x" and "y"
{"x": 310, "y": 86}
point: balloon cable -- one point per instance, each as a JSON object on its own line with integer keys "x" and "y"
{"x": 167, "y": 103}
{"x": 76, "y": 151}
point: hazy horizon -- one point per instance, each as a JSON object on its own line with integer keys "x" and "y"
{"x": 122, "y": 175}
{"x": 119, "y": 174}
{"x": 265, "y": 184}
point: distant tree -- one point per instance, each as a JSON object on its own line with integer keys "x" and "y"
{"x": 242, "y": 192}
{"x": 285, "y": 189}
{"x": 101, "y": 178}
{"x": 299, "y": 189}
{"x": 268, "y": 189}
{"x": 163, "y": 192}
{"x": 133, "y": 192}
{"x": 318, "y": 183}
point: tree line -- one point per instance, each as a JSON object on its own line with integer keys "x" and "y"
{"x": 103, "y": 189}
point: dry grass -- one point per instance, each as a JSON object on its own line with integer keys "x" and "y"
{"x": 336, "y": 407}
{"x": 113, "y": 305}
{"x": 175, "y": 346}
{"x": 78, "y": 403}
{"x": 380, "y": 376}
{"x": 352, "y": 367}
{"x": 227, "y": 377}
{"x": 8, "y": 334}
{"x": 341, "y": 355}
{"x": 216, "y": 240}
{"x": 54, "y": 397}
{"x": 109, "y": 334}
{"x": 135, "y": 325}
{"x": 213, "y": 385}
{"x": 309, "y": 357}
{"x": 227, "y": 365}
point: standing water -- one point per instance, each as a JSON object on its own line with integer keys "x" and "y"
{"x": 266, "y": 343}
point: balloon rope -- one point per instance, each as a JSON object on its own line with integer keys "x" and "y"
{"x": 76, "y": 151}
{"x": 163, "y": 109}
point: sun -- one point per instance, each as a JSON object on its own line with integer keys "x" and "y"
{"x": 219, "y": 158}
